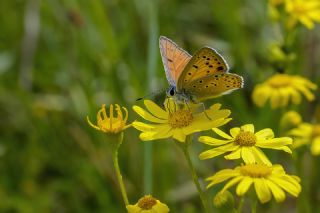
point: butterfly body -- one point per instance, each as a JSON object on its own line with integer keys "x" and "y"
{"x": 181, "y": 96}
{"x": 196, "y": 78}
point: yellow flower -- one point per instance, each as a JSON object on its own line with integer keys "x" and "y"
{"x": 267, "y": 181}
{"x": 280, "y": 88}
{"x": 112, "y": 124}
{"x": 148, "y": 204}
{"x": 177, "y": 121}
{"x": 290, "y": 120}
{"x": 224, "y": 200}
{"x": 307, "y": 133}
{"x": 304, "y": 11}
{"x": 244, "y": 143}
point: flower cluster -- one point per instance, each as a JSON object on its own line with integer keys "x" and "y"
{"x": 305, "y": 12}
{"x": 303, "y": 133}
{"x": 178, "y": 121}
{"x": 281, "y": 89}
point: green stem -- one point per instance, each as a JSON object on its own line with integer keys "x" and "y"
{"x": 185, "y": 149}
{"x": 116, "y": 144}
{"x": 241, "y": 202}
{"x": 254, "y": 205}
{"x": 152, "y": 67}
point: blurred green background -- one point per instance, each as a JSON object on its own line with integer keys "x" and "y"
{"x": 61, "y": 59}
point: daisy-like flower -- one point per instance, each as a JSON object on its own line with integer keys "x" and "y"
{"x": 280, "y": 88}
{"x": 177, "y": 121}
{"x": 112, "y": 124}
{"x": 304, "y": 11}
{"x": 148, "y": 204}
{"x": 244, "y": 143}
{"x": 267, "y": 181}
{"x": 307, "y": 133}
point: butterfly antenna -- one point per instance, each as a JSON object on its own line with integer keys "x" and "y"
{"x": 153, "y": 94}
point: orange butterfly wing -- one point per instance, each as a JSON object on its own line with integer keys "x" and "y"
{"x": 204, "y": 62}
{"x": 206, "y": 76}
{"x": 174, "y": 59}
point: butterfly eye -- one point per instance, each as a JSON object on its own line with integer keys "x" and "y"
{"x": 171, "y": 92}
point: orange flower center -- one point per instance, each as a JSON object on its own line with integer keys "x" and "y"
{"x": 255, "y": 170}
{"x": 245, "y": 138}
{"x": 180, "y": 118}
{"x": 280, "y": 80}
{"x": 147, "y": 202}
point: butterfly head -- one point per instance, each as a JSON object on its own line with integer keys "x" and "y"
{"x": 171, "y": 92}
{"x": 180, "y": 97}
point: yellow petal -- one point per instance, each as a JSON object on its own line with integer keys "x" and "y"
{"x": 277, "y": 192}
{"x": 274, "y": 142}
{"x": 295, "y": 96}
{"x": 160, "y": 208}
{"x": 133, "y": 209}
{"x": 178, "y": 134}
{"x": 260, "y": 157}
{"x": 264, "y": 134}
{"x": 212, "y": 141}
{"x": 248, "y": 128}
{"x": 221, "y": 176}
{"x": 278, "y": 169}
{"x": 275, "y": 99}
{"x": 244, "y": 185}
{"x": 234, "y": 132}
{"x": 222, "y": 134}
{"x": 156, "y": 110}
{"x": 306, "y": 22}
{"x": 236, "y": 154}
{"x": 306, "y": 92}
{"x": 247, "y": 155}
{"x": 262, "y": 190}
{"x": 285, "y": 95}
{"x": 92, "y": 125}
{"x": 260, "y": 95}
{"x": 315, "y": 146}
{"x": 232, "y": 182}
{"x": 147, "y": 136}
{"x": 142, "y": 126}
{"x": 211, "y": 153}
{"x": 287, "y": 185}
{"x": 147, "y": 116}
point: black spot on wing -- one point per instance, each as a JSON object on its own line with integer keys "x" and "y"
{"x": 220, "y": 68}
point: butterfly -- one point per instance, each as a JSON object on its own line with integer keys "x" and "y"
{"x": 196, "y": 78}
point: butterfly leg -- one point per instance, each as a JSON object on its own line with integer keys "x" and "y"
{"x": 204, "y": 110}
{"x": 186, "y": 104}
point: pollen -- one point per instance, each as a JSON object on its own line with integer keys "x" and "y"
{"x": 245, "y": 138}
{"x": 180, "y": 118}
{"x": 255, "y": 170}
{"x": 147, "y": 202}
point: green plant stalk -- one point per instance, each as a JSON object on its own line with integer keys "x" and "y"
{"x": 254, "y": 203}
{"x": 185, "y": 149}
{"x": 152, "y": 65}
{"x": 115, "y": 147}
{"x": 241, "y": 202}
